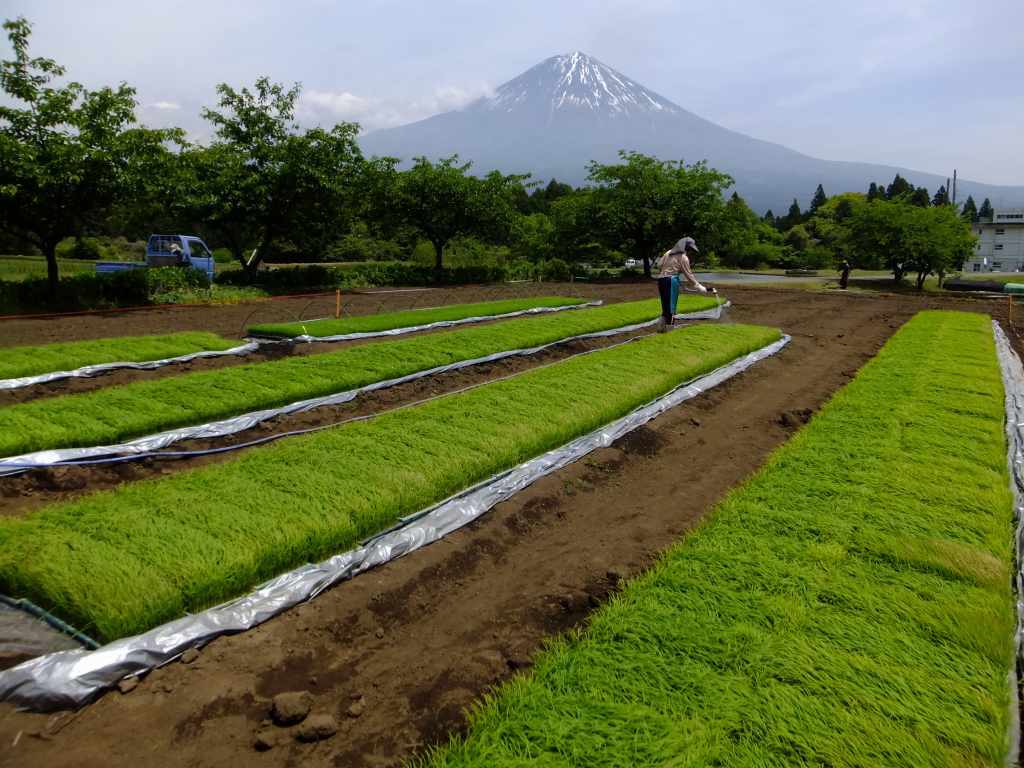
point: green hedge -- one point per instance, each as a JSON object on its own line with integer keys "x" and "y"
{"x": 848, "y": 606}
{"x": 118, "y": 562}
{"x": 130, "y": 288}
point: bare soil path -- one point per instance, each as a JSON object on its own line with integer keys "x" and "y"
{"x": 396, "y": 654}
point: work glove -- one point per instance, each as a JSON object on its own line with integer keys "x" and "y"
{"x": 701, "y": 288}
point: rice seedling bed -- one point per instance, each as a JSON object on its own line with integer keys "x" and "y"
{"x": 115, "y": 563}
{"x": 18, "y": 362}
{"x": 119, "y": 413}
{"x": 849, "y": 605}
{"x": 390, "y": 320}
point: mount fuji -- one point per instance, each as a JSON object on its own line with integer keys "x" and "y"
{"x": 554, "y": 118}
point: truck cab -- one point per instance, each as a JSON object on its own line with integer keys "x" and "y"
{"x": 167, "y": 251}
{"x": 179, "y": 250}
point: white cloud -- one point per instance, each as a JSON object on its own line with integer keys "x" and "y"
{"x": 164, "y": 105}
{"x": 371, "y": 113}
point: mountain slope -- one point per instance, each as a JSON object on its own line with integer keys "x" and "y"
{"x": 557, "y": 116}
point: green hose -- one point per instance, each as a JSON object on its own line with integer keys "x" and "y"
{"x": 62, "y": 626}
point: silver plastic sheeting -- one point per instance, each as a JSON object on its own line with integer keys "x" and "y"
{"x": 1013, "y": 385}
{"x": 89, "y": 371}
{"x": 439, "y": 324}
{"x": 69, "y": 679}
{"x": 39, "y": 459}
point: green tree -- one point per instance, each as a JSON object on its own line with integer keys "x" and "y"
{"x": 941, "y": 197}
{"x": 737, "y": 237}
{"x": 533, "y": 237}
{"x": 985, "y": 213}
{"x": 67, "y": 153}
{"x": 819, "y": 199}
{"x": 769, "y": 218}
{"x": 920, "y": 198}
{"x": 263, "y": 180}
{"x": 875, "y": 191}
{"x": 970, "y": 211}
{"x": 791, "y": 219}
{"x": 909, "y": 238}
{"x": 900, "y": 187}
{"x": 442, "y": 201}
{"x": 644, "y": 204}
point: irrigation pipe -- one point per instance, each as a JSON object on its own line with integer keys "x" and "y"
{"x": 60, "y": 625}
{"x": 68, "y": 679}
{"x": 146, "y": 446}
{"x": 1013, "y": 385}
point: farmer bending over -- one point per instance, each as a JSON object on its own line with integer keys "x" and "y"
{"x": 673, "y": 263}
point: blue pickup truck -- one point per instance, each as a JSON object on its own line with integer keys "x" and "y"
{"x": 167, "y": 251}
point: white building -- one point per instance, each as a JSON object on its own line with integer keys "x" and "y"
{"x": 1000, "y": 243}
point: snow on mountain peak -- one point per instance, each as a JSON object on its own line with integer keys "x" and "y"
{"x": 577, "y": 81}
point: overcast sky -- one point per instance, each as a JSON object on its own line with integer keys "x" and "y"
{"x": 925, "y": 84}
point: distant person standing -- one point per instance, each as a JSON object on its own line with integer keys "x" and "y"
{"x": 675, "y": 263}
{"x": 844, "y": 274}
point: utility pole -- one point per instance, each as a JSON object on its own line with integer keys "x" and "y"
{"x": 954, "y": 187}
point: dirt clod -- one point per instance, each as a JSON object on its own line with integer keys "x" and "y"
{"x": 356, "y": 708}
{"x": 128, "y": 685}
{"x": 266, "y": 739}
{"x": 795, "y": 419}
{"x": 291, "y": 707}
{"x": 189, "y": 656}
{"x": 316, "y": 728}
{"x": 616, "y": 575}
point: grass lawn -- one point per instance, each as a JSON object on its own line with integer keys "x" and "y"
{"x": 121, "y": 561}
{"x": 118, "y": 413}
{"x": 26, "y": 267}
{"x": 390, "y": 320}
{"x": 849, "y": 605}
{"x": 16, "y": 362}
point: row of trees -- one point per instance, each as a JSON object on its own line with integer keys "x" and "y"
{"x": 75, "y": 161}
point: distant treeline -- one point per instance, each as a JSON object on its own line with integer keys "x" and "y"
{"x": 75, "y": 163}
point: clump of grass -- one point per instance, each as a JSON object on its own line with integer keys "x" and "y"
{"x": 847, "y": 606}
{"x": 16, "y": 362}
{"x": 122, "y": 412}
{"x": 121, "y": 561}
{"x": 390, "y": 320}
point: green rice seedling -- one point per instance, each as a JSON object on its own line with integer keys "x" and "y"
{"x": 847, "y": 606}
{"x": 118, "y": 562}
{"x": 17, "y": 362}
{"x": 118, "y": 413}
{"x": 413, "y": 317}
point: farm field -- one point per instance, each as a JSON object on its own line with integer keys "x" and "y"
{"x": 418, "y": 640}
{"x": 792, "y": 626}
{"x": 115, "y": 414}
{"x": 390, "y": 320}
{"x": 204, "y": 538}
{"x": 17, "y": 362}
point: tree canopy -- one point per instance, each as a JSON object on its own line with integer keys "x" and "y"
{"x": 643, "y": 204}
{"x": 67, "y": 153}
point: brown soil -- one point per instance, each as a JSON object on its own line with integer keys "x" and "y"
{"x": 413, "y": 643}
